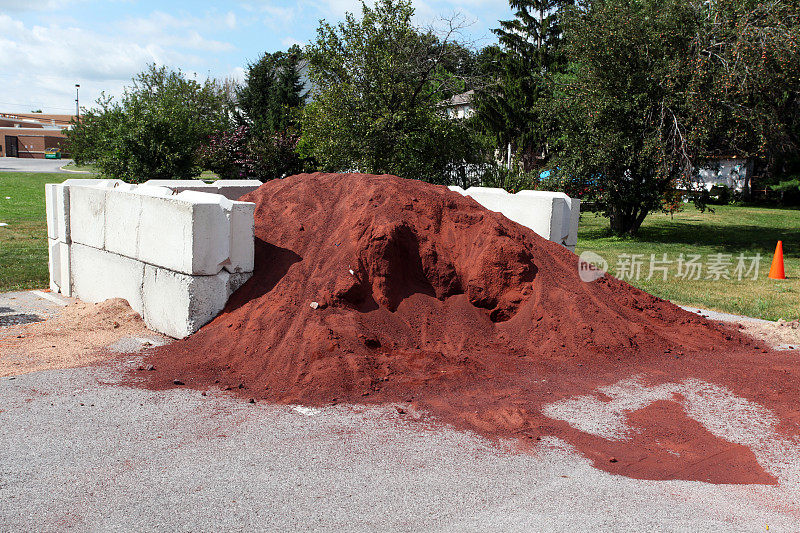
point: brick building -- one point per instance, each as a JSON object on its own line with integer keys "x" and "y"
{"x": 31, "y": 134}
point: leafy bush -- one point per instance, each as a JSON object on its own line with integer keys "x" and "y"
{"x": 154, "y": 131}
{"x": 237, "y": 154}
{"x": 720, "y": 195}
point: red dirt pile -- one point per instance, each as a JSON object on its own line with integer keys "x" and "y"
{"x": 376, "y": 289}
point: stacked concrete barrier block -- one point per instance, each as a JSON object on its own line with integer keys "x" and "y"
{"x": 176, "y": 258}
{"x": 552, "y": 215}
{"x": 200, "y": 298}
{"x": 230, "y": 189}
{"x": 98, "y": 275}
{"x": 57, "y": 208}
{"x": 59, "y": 234}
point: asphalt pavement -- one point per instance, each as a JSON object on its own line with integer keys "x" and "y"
{"x": 81, "y": 451}
{"x": 24, "y": 307}
{"x": 24, "y": 164}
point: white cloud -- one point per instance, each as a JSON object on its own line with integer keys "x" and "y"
{"x": 291, "y": 41}
{"x": 180, "y": 32}
{"x": 279, "y": 17}
{"x": 11, "y": 6}
{"x": 230, "y": 20}
{"x": 338, "y": 8}
{"x": 238, "y": 74}
{"x": 78, "y": 52}
{"x": 40, "y": 65}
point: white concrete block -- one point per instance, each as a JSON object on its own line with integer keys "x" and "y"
{"x": 178, "y": 186}
{"x": 98, "y": 275}
{"x": 566, "y": 216}
{"x": 242, "y": 238}
{"x": 124, "y": 216}
{"x": 534, "y": 213}
{"x": 574, "y": 221}
{"x": 123, "y": 211}
{"x": 487, "y": 190}
{"x": 552, "y": 215}
{"x": 188, "y": 233}
{"x": 235, "y": 189}
{"x": 87, "y": 214}
{"x": 184, "y": 185}
{"x": 237, "y": 183}
{"x": 177, "y": 304}
{"x": 59, "y": 266}
{"x": 56, "y": 198}
{"x": 559, "y": 206}
{"x": 102, "y": 183}
{"x": 152, "y": 190}
{"x": 490, "y": 198}
{"x": 230, "y": 189}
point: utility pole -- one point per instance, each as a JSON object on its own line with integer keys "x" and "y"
{"x": 77, "y": 103}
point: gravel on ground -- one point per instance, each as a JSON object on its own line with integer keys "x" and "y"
{"x": 37, "y": 334}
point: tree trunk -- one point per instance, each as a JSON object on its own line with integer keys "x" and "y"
{"x": 541, "y": 28}
{"x": 748, "y": 182}
{"x": 627, "y": 219}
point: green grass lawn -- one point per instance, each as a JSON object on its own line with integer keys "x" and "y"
{"x": 729, "y": 230}
{"x": 80, "y": 168}
{"x": 206, "y": 175}
{"x": 23, "y": 243}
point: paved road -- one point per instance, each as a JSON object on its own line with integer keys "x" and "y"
{"x": 80, "y": 451}
{"x": 17, "y": 164}
{"x": 23, "y": 307}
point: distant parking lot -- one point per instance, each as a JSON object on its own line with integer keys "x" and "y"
{"x": 16, "y": 164}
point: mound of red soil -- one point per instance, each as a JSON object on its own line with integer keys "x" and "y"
{"x": 379, "y": 289}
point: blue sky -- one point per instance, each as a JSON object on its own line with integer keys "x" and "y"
{"x": 48, "y": 46}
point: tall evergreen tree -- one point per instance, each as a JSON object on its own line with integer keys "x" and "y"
{"x": 272, "y": 93}
{"x": 268, "y": 106}
{"x": 511, "y": 109}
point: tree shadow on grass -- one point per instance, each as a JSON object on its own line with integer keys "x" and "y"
{"x": 725, "y": 237}
{"x": 728, "y": 238}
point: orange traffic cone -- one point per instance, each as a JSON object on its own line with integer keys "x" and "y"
{"x": 776, "y": 270}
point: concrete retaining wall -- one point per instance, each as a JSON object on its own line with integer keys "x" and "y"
{"x": 230, "y": 189}
{"x": 553, "y": 215}
{"x": 175, "y": 257}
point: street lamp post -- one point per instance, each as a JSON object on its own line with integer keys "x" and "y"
{"x": 77, "y": 102}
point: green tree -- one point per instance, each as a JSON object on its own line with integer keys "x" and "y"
{"x": 624, "y": 106}
{"x": 272, "y": 94}
{"x": 379, "y": 83}
{"x": 513, "y": 107}
{"x": 656, "y": 85}
{"x": 154, "y": 131}
{"x": 747, "y": 82}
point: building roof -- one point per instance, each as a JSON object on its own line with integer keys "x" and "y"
{"x": 458, "y": 99}
{"x": 31, "y": 132}
{"x": 36, "y": 120}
